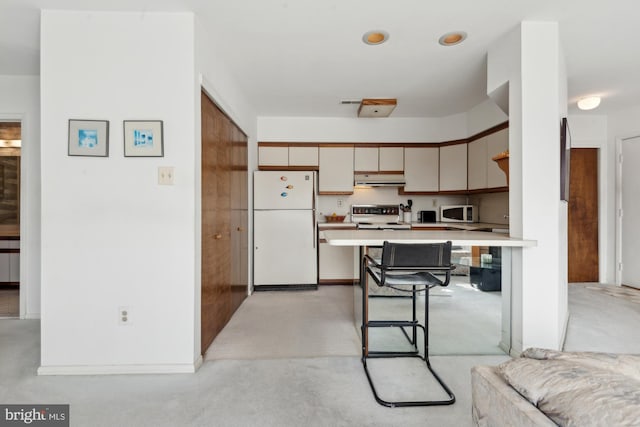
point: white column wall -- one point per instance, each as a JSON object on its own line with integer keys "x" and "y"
{"x": 20, "y": 101}
{"x": 529, "y": 61}
{"x": 111, "y": 236}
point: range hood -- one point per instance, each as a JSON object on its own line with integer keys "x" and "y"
{"x": 379, "y": 180}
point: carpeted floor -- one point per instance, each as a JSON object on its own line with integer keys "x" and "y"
{"x": 306, "y": 324}
{"x": 603, "y": 318}
{"x": 321, "y": 323}
{"x": 315, "y": 391}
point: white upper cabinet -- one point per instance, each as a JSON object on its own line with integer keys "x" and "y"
{"x": 478, "y": 164}
{"x": 421, "y": 169}
{"x": 303, "y": 156}
{"x": 336, "y": 170}
{"x": 288, "y": 156}
{"x": 366, "y": 159}
{"x": 391, "y": 159}
{"x": 453, "y": 167}
{"x": 273, "y": 156}
{"x": 496, "y": 143}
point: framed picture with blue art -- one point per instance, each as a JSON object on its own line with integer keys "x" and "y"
{"x": 143, "y": 138}
{"x": 89, "y": 138}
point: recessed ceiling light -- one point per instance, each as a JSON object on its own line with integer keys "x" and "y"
{"x": 452, "y": 38}
{"x": 375, "y": 37}
{"x": 589, "y": 103}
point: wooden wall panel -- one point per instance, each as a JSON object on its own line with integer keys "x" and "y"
{"x": 223, "y": 286}
{"x": 583, "y": 216}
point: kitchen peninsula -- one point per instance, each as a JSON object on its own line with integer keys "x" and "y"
{"x": 368, "y": 238}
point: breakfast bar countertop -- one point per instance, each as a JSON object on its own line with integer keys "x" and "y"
{"x": 457, "y": 237}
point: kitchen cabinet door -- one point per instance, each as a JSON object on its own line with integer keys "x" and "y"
{"x": 273, "y": 156}
{"x": 496, "y": 143}
{"x": 366, "y": 159}
{"x": 421, "y": 169}
{"x": 477, "y": 173}
{"x": 453, "y": 167}
{"x": 336, "y": 170}
{"x": 303, "y": 156}
{"x": 337, "y": 264}
{"x": 391, "y": 159}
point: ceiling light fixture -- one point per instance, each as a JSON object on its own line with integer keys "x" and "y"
{"x": 589, "y": 103}
{"x": 10, "y": 143}
{"x": 377, "y": 107}
{"x": 452, "y": 38}
{"x": 375, "y": 37}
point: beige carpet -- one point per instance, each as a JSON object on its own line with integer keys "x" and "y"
{"x": 625, "y": 292}
{"x": 9, "y": 302}
{"x": 292, "y": 324}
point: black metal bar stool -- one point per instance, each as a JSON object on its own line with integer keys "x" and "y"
{"x": 407, "y": 268}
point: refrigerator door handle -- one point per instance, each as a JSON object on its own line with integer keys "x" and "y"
{"x": 313, "y": 210}
{"x": 313, "y": 221}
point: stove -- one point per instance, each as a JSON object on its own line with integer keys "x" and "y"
{"x": 378, "y": 217}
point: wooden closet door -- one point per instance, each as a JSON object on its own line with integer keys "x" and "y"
{"x": 220, "y": 242}
{"x": 583, "y": 216}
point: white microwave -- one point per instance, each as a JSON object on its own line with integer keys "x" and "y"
{"x": 458, "y": 213}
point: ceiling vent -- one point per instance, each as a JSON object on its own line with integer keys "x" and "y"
{"x": 376, "y": 107}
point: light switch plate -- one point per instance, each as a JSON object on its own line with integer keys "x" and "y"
{"x": 165, "y": 175}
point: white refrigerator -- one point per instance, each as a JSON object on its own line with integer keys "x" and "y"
{"x": 284, "y": 230}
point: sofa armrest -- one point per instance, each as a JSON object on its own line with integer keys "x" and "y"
{"x": 495, "y": 403}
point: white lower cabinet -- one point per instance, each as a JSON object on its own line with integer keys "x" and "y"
{"x": 337, "y": 263}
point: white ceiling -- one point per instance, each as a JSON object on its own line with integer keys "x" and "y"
{"x": 301, "y": 57}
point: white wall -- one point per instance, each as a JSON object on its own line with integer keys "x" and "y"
{"x": 529, "y": 61}
{"x": 219, "y": 84}
{"x": 591, "y": 131}
{"x": 622, "y": 124}
{"x": 20, "y": 100}
{"x": 484, "y": 116}
{"x": 334, "y": 129}
{"x": 111, "y": 236}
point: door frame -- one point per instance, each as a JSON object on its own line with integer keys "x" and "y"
{"x": 23, "y": 292}
{"x": 618, "y": 258}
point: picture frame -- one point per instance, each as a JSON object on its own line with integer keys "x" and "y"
{"x": 88, "y": 138}
{"x": 143, "y": 138}
{"x": 565, "y": 159}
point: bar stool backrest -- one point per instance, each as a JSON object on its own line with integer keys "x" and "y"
{"x": 418, "y": 255}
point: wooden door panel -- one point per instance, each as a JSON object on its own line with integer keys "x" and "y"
{"x": 583, "y": 216}
{"x": 220, "y": 252}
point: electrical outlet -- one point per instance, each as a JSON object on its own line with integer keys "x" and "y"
{"x": 340, "y": 202}
{"x": 124, "y": 316}
{"x": 165, "y": 175}
{"x": 435, "y": 202}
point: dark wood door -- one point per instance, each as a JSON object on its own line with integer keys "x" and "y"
{"x": 583, "y": 216}
{"x": 221, "y": 253}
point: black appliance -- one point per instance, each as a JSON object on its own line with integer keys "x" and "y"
{"x": 426, "y": 216}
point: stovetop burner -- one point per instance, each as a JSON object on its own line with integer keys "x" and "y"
{"x": 378, "y": 217}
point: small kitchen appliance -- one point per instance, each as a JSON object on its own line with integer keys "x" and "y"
{"x": 458, "y": 213}
{"x": 426, "y": 216}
